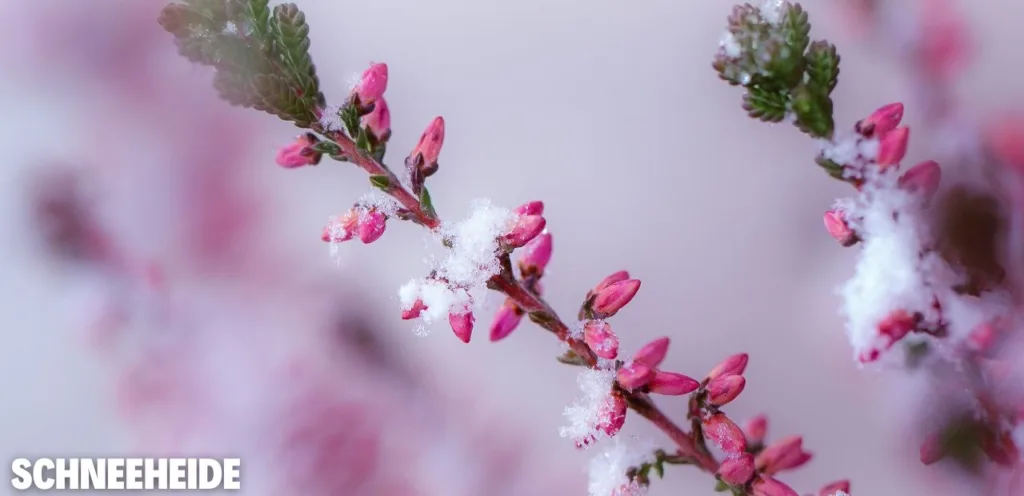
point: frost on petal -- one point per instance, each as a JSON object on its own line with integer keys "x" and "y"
{"x": 587, "y": 414}
{"x": 607, "y": 470}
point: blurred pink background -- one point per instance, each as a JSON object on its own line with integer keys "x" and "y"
{"x": 609, "y": 112}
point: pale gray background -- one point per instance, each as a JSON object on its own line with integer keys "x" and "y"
{"x": 609, "y": 112}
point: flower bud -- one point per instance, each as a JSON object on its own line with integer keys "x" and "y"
{"x": 462, "y": 325}
{"x": 881, "y": 121}
{"x": 372, "y": 84}
{"x": 756, "y": 429}
{"x": 738, "y": 470}
{"x": 785, "y": 454}
{"x": 653, "y": 353}
{"x": 341, "y": 227}
{"x": 611, "y": 298}
{"x": 724, "y": 389}
{"x": 524, "y": 230}
{"x": 767, "y": 486}
{"x": 612, "y": 279}
{"x": 734, "y": 364}
{"x": 378, "y": 121}
{"x": 414, "y": 311}
{"x": 672, "y": 384}
{"x": 922, "y": 178}
{"x": 299, "y": 152}
{"x": 612, "y": 415}
{"x": 933, "y": 449}
{"x": 892, "y": 147}
{"x": 835, "y": 224}
{"x": 505, "y": 320}
{"x": 634, "y": 375}
{"x": 429, "y": 147}
{"x": 371, "y": 226}
{"x": 530, "y": 208}
{"x": 602, "y": 341}
{"x": 724, "y": 433}
{"x": 535, "y": 255}
{"x": 837, "y": 488}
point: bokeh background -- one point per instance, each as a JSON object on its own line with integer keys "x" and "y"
{"x": 606, "y": 110}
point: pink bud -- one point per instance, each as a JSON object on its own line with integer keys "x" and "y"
{"x": 612, "y": 279}
{"x": 372, "y": 84}
{"x": 610, "y": 299}
{"x": 341, "y": 227}
{"x": 524, "y": 230}
{"x": 837, "y": 488}
{"x": 371, "y": 226}
{"x": 933, "y": 449}
{"x": 634, "y": 375}
{"x": 785, "y": 454}
{"x": 299, "y": 152}
{"x": 982, "y": 337}
{"x": 767, "y": 486}
{"x": 737, "y": 471}
{"x": 612, "y": 415}
{"x": 881, "y": 121}
{"x": 672, "y": 384}
{"x": 530, "y": 208}
{"x": 835, "y": 224}
{"x": 896, "y": 325}
{"x": 379, "y": 120}
{"x": 923, "y": 178}
{"x": 725, "y": 388}
{"x": 1000, "y": 448}
{"x": 734, "y": 364}
{"x": 602, "y": 341}
{"x": 462, "y": 325}
{"x": 429, "y": 146}
{"x": 756, "y": 429}
{"x": 893, "y": 147}
{"x": 414, "y": 311}
{"x": 1005, "y": 138}
{"x": 653, "y": 353}
{"x": 535, "y": 255}
{"x": 724, "y": 433}
{"x": 505, "y": 320}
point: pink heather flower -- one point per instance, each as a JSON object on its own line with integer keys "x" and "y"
{"x": 530, "y": 208}
{"x": 414, "y": 311}
{"x": 634, "y": 375}
{"x": 738, "y": 470}
{"x": 1004, "y": 136}
{"x": 923, "y": 178}
{"x": 893, "y": 147}
{"x": 429, "y": 146}
{"x": 725, "y": 388}
{"x": 881, "y": 121}
{"x": 835, "y": 224}
{"x": 672, "y": 384}
{"x": 601, "y": 339}
{"x": 524, "y": 230}
{"x": 341, "y": 227}
{"x": 785, "y": 454}
{"x": 734, "y": 364}
{"x": 756, "y": 429}
{"x": 933, "y": 449}
{"x": 372, "y": 84}
{"x": 836, "y": 488}
{"x": 299, "y": 152}
{"x": 982, "y": 337}
{"x": 611, "y": 298}
{"x": 612, "y": 415}
{"x": 505, "y": 320}
{"x": 371, "y": 226}
{"x": 653, "y": 353}
{"x": 462, "y": 325}
{"x": 379, "y": 120}
{"x": 535, "y": 255}
{"x": 724, "y": 433}
{"x": 767, "y": 486}
{"x": 612, "y": 279}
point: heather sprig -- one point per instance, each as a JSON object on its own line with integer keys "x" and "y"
{"x": 261, "y": 60}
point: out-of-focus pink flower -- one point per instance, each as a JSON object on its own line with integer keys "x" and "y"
{"x": 837, "y": 488}
{"x": 982, "y": 337}
{"x": 735, "y": 364}
{"x": 767, "y": 486}
{"x": 530, "y": 208}
{"x": 505, "y": 320}
{"x": 653, "y": 353}
{"x": 738, "y": 470}
{"x": 1004, "y": 137}
{"x": 785, "y": 454}
{"x": 944, "y": 46}
{"x": 756, "y": 429}
{"x": 672, "y": 383}
{"x": 378, "y": 121}
{"x": 922, "y": 178}
{"x": 299, "y": 152}
{"x": 893, "y": 147}
{"x": 881, "y": 121}
{"x": 535, "y": 255}
{"x": 601, "y": 339}
{"x": 724, "y": 433}
{"x": 634, "y": 375}
{"x": 462, "y": 325}
{"x": 933, "y": 449}
{"x": 1000, "y": 448}
{"x": 897, "y": 325}
{"x": 524, "y": 230}
{"x": 608, "y": 300}
{"x": 839, "y": 229}
{"x": 372, "y": 225}
{"x": 725, "y": 388}
{"x": 372, "y": 84}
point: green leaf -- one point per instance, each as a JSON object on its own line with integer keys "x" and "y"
{"x": 833, "y": 169}
{"x": 381, "y": 182}
{"x": 823, "y": 66}
{"x": 363, "y": 141}
{"x": 428, "y": 204}
{"x": 327, "y": 147}
{"x": 659, "y": 468}
{"x": 766, "y": 105}
{"x": 721, "y": 486}
{"x": 813, "y": 109}
{"x": 291, "y": 42}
